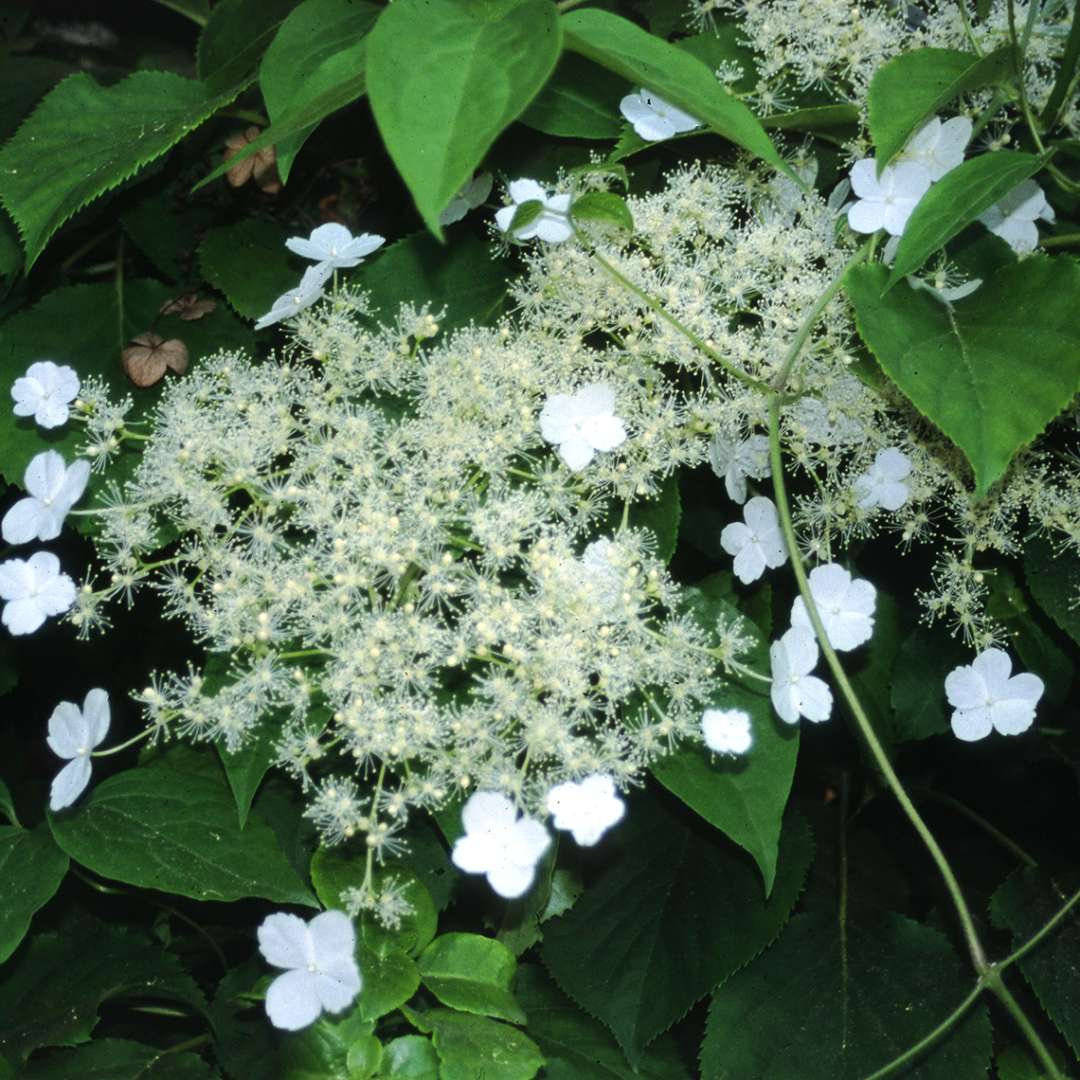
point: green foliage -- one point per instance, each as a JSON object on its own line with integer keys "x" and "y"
{"x": 675, "y": 915}
{"x": 1023, "y": 905}
{"x": 918, "y": 683}
{"x": 390, "y": 978}
{"x": 908, "y": 89}
{"x": 249, "y": 263}
{"x": 602, "y": 208}
{"x": 843, "y": 1001}
{"x": 33, "y": 867}
{"x": 579, "y": 101}
{"x": 328, "y": 1049}
{"x": 162, "y": 829}
{"x": 1054, "y": 579}
{"x": 472, "y": 974}
{"x": 85, "y": 139}
{"x": 661, "y": 515}
{"x": 676, "y": 76}
{"x": 235, "y": 36}
{"x": 410, "y": 1057}
{"x": 485, "y": 61}
{"x": 118, "y": 1059}
{"x": 245, "y": 769}
{"x": 167, "y": 229}
{"x": 958, "y": 366}
{"x": 319, "y": 46}
{"x": 954, "y": 202}
{"x": 475, "y": 1048}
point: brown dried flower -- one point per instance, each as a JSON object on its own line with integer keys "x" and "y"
{"x": 147, "y": 356}
{"x": 262, "y": 164}
{"x": 189, "y": 307}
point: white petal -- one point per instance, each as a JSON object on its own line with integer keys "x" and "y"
{"x": 44, "y": 475}
{"x": 893, "y": 463}
{"x": 1012, "y": 717}
{"x": 527, "y": 842}
{"x": 551, "y": 228}
{"x": 784, "y": 702}
{"x": 332, "y": 937}
{"x": 727, "y": 731}
{"x": 338, "y": 985}
{"x": 69, "y": 783}
{"x": 22, "y": 616}
{"x": 864, "y": 181}
{"x": 749, "y": 564}
{"x": 829, "y": 584}
{"x": 522, "y": 191}
{"x": 1026, "y": 687}
{"x": 95, "y": 712}
{"x": 604, "y": 432}
{"x": 76, "y": 477}
{"x": 994, "y": 667}
{"x": 815, "y": 699}
{"x": 488, "y": 810}
{"x": 965, "y": 689}
{"x": 801, "y": 649}
{"x": 504, "y": 216}
{"x": 292, "y": 1000}
{"x": 26, "y": 521}
{"x": 735, "y": 537}
{"x": 284, "y": 941}
{"x": 972, "y": 724}
{"x": 51, "y": 413}
{"x": 557, "y": 418}
{"x": 69, "y": 732}
{"x": 576, "y": 453}
{"x": 56, "y": 596}
{"x": 511, "y": 881}
{"x": 475, "y": 853}
{"x": 760, "y": 515}
{"x": 895, "y": 216}
{"x": 892, "y": 494}
{"x": 16, "y": 579}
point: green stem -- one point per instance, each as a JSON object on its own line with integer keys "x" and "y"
{"x": 977, "y": 819}
{"x": 967, "y": 923}
{"x": 1064, "y": 240}
{"x": 1029, "y": 1032}
{"x": 124, "y": 745}
{"x": 1040, "y": 934}
{"x": 183, "y": 9}
{"x": 1019, "y": 48}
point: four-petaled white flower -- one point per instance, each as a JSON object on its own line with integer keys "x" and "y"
{"x": 1014, "y": 217}
{"x": 334, "y": 246}
{"x": 54, "y": 489}
{"x": 795, "y": 692}
{"x": 985, "y": 698}
{"x": 34, "y": 589}
{"x": 846, "y": 606}
{"x": 551, "y": 224}
{"x": 320, "y": 961}
{"x": 471, "y": 195}
{"x": 73, "y": 734}
{"x": 733, "y": 460}
{"x": 582, "y": 423}
{"x": 884, "y": 483}
{"x": 653, "y": 118}
{"x": 46, "y": 392}
{"x": 757, "y": 543}
{"x": 727, "y": 731}
{"x": 586, "y": 809}
{"x": 303, "y": 296}
{"x": 886, "y": 202}
{"x": 938, "y": 146}
{"x": 499, "y": 844}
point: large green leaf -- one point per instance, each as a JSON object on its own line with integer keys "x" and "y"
{"x": 32, "y": 866}
{"x": 905, "y": 91}
{"x": 84, "y": 139}
{"x": 679, "y": 78}
{"x": 484, "y": 61}
{"x": 323, "y": 1051}
{"x": 1024, "y": 904}
{"x": 1054, "y": 579}
{"x": 119, "y": 1059}
{"x": 580, "y": 101}
{"x": 411, "y": 1057}
{"x": 390, "y": 979}
{"x": 318, "y": 47}
{"x": 918, "y": 683}
{"x": 235, "y": 36}
{"x": 954, "y": 202}
{"x": 961, "y": 367}
{"x": 677, "y": 912}
{"x": 476, "y": 1048}
{"x": 843, "y": 1003}
{"x": 471, "y": 973}
{"x": 161, "y": 829}
{"x": 249, "y": 263}
{"x": 246, "y": 767}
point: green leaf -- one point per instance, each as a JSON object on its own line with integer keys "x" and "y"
{"x": 813, "y": 118}
{"x": 676, "y": 913}
{"x": 602, "y": 208}
{"x": 1065, "y": 73}
{"x": 906, "y": 91}
{"x": 412, "y": 1057}
{"x": 462, "y": 276}
{"x": 84, "y": 139}
{"x": 1018, "y": 1063}
{"x": 958, "y": 367}
{"x": 679, "y": 78}
{"x": 721, "y": 44}
{"x": 579, "y": 101}
{"x": 918, "y": 684}
{"x": 845, "y": 1004}
{"x": 484, "y": 61}
{"x": 318, "y": 47}
{"x": 7, "y": 804}
{"x": 576, "y": 1047}
{"x": 235, "y": 36}
{"x": 473, "y": 974}
{"x": 870, "y": 668}
{"x": 661, "y": 515}
{"x": 1054, "y": 579}
{"x": 1023, "y": 905}
{"x": 475, "y": 1048}
{"x": 50, "y": 994}
{"x": 160, "y": 829}
{"x": 249, "y": 263}
{"x": 166, "y": 228}
{"x": 390, "y": 978}
{"x": 246, "y": 767}
{"x": 32, "y": 867}
{"x": 322, "y": 1051}
{"x": 954, "y": 202}
{"x": 118, "y": 1059}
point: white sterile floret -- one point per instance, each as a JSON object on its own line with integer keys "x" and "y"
{"x": 938, "y": 146}
{"x": 296, "y": 300}
{"x": 552, "y": 224}
{"x": 46, "y": 392}
{"x": 755, "y": 542}
{"x": 886, "y": 202}
{"x": 54, "y": 489}
{"x": 727, "y": 731}
{"x": 334, "y": 246}
{"x": 34, "y": 589}
{"x": 883, "y": 485}
{"x": 586, "y": 809}
{"x": 985, "y": 698}
{"x": 499, "y": 844}
{"x": 733, "y": 460}
{"x": 846, "y": 606}
{"x": 653, "y": 118}
{"x": 73, "y": 734}
{"x": 795, "y": 692}
{"x": 600, "y": 575}
{"x": 471, "y": 195}
{"x": 1014, "y": 217}
{"x": 320, "y": 962}
{"x": 581, "y": 423}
